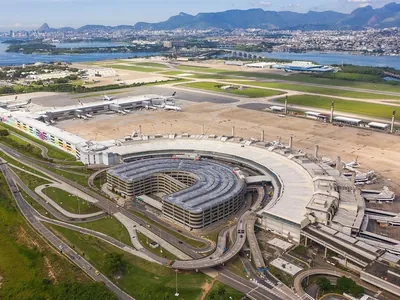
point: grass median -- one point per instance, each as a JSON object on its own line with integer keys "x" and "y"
{"x": 70, "y": 202}
{"x": 53, "y": 152}
{"x": 141, "y": 279}
{"x": 134, "y": 68}
{"x": 29, "y": 180}
{"x": 187, "y": 240}
{"x": 348, "y": 106}
{"x": 111, "y": 227}
{"x": 151, "y": 64}
{"x": 145, "y": 242}
{"x": 316, "y": 90}
{"x": 236, "y": 90}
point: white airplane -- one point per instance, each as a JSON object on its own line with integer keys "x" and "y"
{"x": 172, "y": 107}
{"x": 107, "y": 98}
{"x": 352, "y": 164}
{"x": 169, "y": 99}
{"x": 19, "y": 104}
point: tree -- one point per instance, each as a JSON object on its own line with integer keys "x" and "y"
{"x": 344, "y": 284}
{"x": 113, "y": 263}
{"x": 221, "y": 292}
{"x": 211, "y": 296}
{"x": 324, "y": 284}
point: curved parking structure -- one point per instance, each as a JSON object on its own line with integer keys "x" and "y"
{"x": 197, "y": 193}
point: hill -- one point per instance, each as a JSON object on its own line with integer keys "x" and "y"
{"x": 386, "y": 16}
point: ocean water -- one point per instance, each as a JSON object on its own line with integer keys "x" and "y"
{"x": 20, "y": 58}
{"x": 318, "y": 57}
{"x": 339, "y": 58}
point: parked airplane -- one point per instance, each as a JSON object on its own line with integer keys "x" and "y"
{"x": 172, "y": 107}
{"x": 19, "y": 104}
{"x": 352, "y": 164}
{"x": 107, "y": 98}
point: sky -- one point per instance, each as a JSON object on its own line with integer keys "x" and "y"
{"x": 31, "y": 14}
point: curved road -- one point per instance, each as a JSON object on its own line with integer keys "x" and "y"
{"x": 253, "y": 290}
{"x": 31, "y": 217}
{"x": 297, "y": 283}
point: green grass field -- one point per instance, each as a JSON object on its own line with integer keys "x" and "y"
{"x": 172, "y": 72}
{"x": 111, "y": 227}
{"x": 151, "y": 64}
{"x": 71, "y": 203}
{"x": 211, "y": 76}
{"x": 249, "y": 92}
{"x": 316, "y": 90}
{"x": 79, "y": 177}
{"x": 198, "y": 69}
{"x": 35, "y": 205}
{"x": 143, "y": 240}
{"x": 141, "y": 279}
{"x": 16, "y": 143}
{"x": 29, "y": 180}
{"x": 236, "y": 266}
{"x": 53, "y": 152}
{"x": 187, "y": 240}
{"x": 20, "y": 165}
{"x": 229, "y": 293}
{"x": 134, "y": 68}
{"x": 355, "y": 107}
{"x": 29, "y": 267}
{"x": 305, "y": 78}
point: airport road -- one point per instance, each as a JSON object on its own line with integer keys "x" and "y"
{"x": 30, "y": 216}
{"x": 230, "y": 278}
{"x": 55, "y": 213}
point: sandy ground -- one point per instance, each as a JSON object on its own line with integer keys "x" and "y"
{"x": 127, "y": 76}
{"x": 375, "y": 151}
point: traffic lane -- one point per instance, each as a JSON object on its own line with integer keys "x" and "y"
{"x": 211, "y": 260}
{"x": 106, "y": 238}
{"x": 244, "y": 284}
{"x": 29, "y": 214}
{"x": 108, "y": 205}
{"x": 246, "y": 287}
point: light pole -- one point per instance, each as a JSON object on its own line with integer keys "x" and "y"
{"x": 160, "y": 242}
{"x": 176, "y": 283}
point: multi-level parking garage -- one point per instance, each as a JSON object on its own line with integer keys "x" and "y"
{"x": 194, "y": 193}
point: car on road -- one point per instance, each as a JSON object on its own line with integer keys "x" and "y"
{"x": 97, "y": 273}
{"x": 180, "y": 242}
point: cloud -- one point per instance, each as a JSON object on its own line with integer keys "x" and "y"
{"x": 265, "y": 3}
{"x": 358, "y": 1}
{"x": 260, "y": 3}
{"x": 291, "y": 5}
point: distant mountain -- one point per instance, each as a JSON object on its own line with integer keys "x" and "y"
{"x": 387, "y": 16}
{"x": 45, "y": 27}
